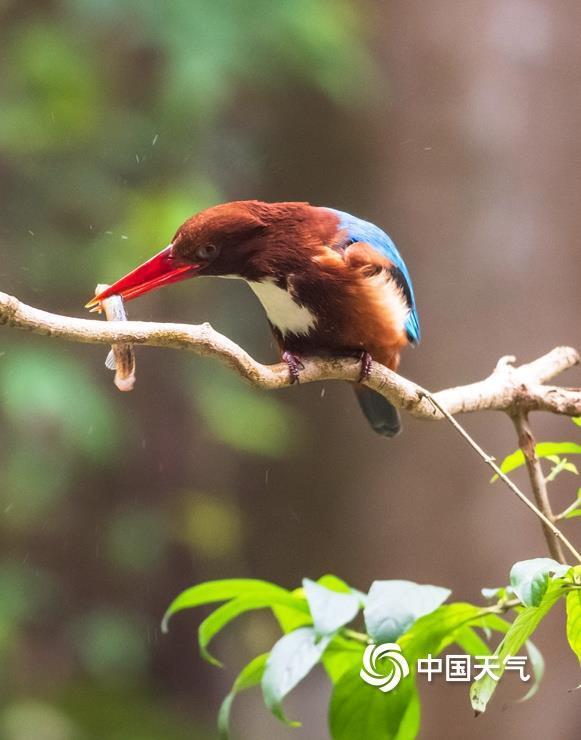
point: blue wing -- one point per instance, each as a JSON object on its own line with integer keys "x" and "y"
{"x": 364, "y": 231}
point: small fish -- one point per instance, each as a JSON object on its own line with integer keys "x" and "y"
{"x": 121, "y": 358}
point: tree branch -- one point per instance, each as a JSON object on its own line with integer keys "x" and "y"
{"x": 508, "y": 388}
{"x": 527, "y": 444}
{"x": 514, "y": 390}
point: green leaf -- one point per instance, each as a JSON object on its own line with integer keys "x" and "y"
{"x": 250, "y": 676}
{"x": 393, "y": 606}
{"x": 330, "y": 610}
{"x": 492, "y": 622}
{"x": 542, "y": 449}
{"x": 471, "y": 642}
{"x": 538, "y": 668}
{"x": 213, "y": 591}
{"x": 334, "y": 584}
{"x": 434, "y": 632}
{"x": 576, "y": 420}
{"x": 521, "y": 629}
{"x": 410, "y": 724}
{"x": 341, "y": 655}
{"x": 529, "y": 579}
{"x": 337, "y": 584}
{"x": 291, "y": 659}
{"x": 574, "y": 621}
{"x": 358, "y": 710}
{"x": 560, "y": 464}
{"x": 492, "y": 593}
{"x": 290, "y": 620}
{"x": 222, "y": 616}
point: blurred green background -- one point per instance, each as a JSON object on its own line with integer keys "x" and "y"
{"x": 455, "y": 127}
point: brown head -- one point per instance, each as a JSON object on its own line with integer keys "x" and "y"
{"x": 248, "y": 239}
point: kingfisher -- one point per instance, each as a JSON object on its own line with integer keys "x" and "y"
{"x": 330, "y": 283}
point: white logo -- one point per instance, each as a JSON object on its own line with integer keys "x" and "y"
{"x": 374, "y": 675}
{"x": 386, "y": 676}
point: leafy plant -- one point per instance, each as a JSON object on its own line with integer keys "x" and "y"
{"x": 412, "y": 620}
{"x": 553, "y": 452}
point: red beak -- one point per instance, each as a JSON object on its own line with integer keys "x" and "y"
{"x": 157, "y": 271}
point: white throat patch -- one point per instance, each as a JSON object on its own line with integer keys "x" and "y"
{"x": 282, "y": 309}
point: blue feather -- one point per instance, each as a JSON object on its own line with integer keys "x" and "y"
{"x": 364, "y": 231}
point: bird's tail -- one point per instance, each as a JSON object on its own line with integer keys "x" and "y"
{"x": 382, "y": 416}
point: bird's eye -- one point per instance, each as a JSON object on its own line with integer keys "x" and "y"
{"x": 207, "y": 252}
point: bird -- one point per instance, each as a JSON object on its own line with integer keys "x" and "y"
{"x": 331, "y": 284}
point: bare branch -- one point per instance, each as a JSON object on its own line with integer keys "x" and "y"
{"x": 508, "y": 388}
{"x": 527, "y": 444}
{"x": 514, "y": 390}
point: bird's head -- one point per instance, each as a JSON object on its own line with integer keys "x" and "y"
{"x": 223, "y": 240}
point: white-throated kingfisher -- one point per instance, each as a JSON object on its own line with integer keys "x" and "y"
{"x": 330, "y": 283}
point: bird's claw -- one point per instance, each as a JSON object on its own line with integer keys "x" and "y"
{"x": 366, "y": 360}
{"x": 294, "y": 366}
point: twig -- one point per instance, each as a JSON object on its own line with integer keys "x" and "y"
{"x": 552, "y": 533}
{"x": 514, "y": 390}
{"x": 556, "y": 470}
{"x": 572, "y": 507}
{"x": 527, "y": 444}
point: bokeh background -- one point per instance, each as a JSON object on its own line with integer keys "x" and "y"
{"x": 453, "y": 125}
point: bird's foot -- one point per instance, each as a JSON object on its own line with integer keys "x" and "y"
{"x": 366, "y": 360}
{"x": 294, "y": 366}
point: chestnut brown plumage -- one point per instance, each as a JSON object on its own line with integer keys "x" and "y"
{"x": 329, "y": 282}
